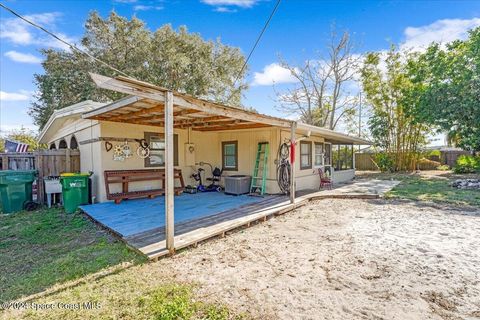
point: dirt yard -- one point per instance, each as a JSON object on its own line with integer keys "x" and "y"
{"x": 333, "y": 259}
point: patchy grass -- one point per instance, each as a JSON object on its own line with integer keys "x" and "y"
{"x": 142, "y": 292}
{"x": 41, "y": 248}
{"x": 176, "y": 301}
{"x": 430, "y": 186}
{"x": 47, "y": 247}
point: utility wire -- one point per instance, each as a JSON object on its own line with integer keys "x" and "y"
{"x": 72, "y": 46}
{"x": 257, "y": 41}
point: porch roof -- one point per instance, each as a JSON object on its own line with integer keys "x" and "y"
{"x": 331, "y": 135}
{"x": 145, "y": 106}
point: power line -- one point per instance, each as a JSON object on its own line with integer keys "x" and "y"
{"x": 72, "y": 46}
{"x": 258, "y": 40}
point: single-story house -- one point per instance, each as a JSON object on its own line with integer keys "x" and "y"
{"x": 202, "y": 131}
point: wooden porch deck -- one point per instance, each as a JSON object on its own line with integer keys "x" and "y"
{"x": 152, "y": 242}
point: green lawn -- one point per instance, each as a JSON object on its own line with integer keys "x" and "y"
{"x": 430, "y": 186}
{"x": 45, "y": 247}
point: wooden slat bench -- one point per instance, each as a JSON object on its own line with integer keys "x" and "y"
{"x": 126, "y": 176}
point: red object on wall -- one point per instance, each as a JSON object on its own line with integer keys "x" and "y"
{"x": 292, "y": 152}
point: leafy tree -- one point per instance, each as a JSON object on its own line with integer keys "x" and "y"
{"x": 177, "y": 60}
{"x": 22, "y": 135}
{"x": 393, "y": 124}
{"x": 448, "y": 86}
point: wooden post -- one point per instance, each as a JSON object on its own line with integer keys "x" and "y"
{"x": 4, "y": 162}
{"x": 169, "y": 173}
{"x": 68, "y": 161}
{"x": 292, "y": 165}
{"x": 353, "y": 155}
{"x": 40, "y": 186}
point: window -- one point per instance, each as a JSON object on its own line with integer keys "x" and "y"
{"x": 230, "y": 155}
{"x": 305, "y": 155}
{"x": 156, "y": 142}
{"x": 318, "y": 154}
{"x": 342, "y": 156}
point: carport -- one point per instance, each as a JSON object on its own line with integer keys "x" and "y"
{"x": 148, "y": 104}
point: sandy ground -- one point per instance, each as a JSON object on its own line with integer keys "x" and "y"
{"x": 338, "y": 259}
{"x": 345, "y": 259}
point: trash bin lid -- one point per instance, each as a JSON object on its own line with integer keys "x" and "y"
{"x": 71, "y": 174}
{"x": 4, "y": 173}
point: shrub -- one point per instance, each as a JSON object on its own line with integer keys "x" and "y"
{"x": 467, "y": 164}
{"x": 443, "y": 167}
{"x": 384, "y": 162}
{"x": 434, "y": 153}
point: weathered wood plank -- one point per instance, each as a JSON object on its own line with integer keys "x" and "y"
{"x": 169, "y": 173}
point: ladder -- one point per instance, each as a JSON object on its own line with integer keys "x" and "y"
{"x": 259, "y": 177}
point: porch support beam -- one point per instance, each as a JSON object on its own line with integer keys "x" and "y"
{"x": 292, "y": 165}
{"x": 169, "y": 174}
{"x": 149, "y": 91}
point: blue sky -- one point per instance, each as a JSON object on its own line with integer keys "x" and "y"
{"x": 298, "y": 32}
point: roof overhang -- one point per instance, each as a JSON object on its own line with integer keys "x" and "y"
{"x": 145, "y": 106}
{"x": 60, "y": 116}
{"x": 332, "y": 136}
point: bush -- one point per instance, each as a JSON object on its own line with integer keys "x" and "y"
{"x": 434, "y": 154}
{"x": 384, "y": 162}
{"x": 467, "y": 164}
{"x": 443, "y": 167}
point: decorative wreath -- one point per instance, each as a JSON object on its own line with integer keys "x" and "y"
{"x": 143, "y": 151}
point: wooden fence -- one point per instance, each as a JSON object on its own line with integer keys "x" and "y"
{"x": 47, "y": 162}
{"x": 364, "y": 161}
{"x": 449, "y": 157}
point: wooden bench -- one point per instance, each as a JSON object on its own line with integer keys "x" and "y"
{"x": 126, "y": 176}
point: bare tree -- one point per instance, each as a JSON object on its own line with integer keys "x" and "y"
{"x": 320, "y": 96}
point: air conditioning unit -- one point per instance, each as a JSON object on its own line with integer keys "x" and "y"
{"x": 237, "y": 184}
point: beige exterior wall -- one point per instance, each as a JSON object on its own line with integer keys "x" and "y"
{"x": 343, "y": 175}
{"x": 208, "y": 148}
{"x": 305, "y": 178}
{"x": 247, "y": 151}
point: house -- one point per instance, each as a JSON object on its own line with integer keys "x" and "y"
{"x": 201, "y": 131}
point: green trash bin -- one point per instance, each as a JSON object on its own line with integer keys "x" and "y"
{"x": 74, "y": 190}
{"x": 16, "y": 189}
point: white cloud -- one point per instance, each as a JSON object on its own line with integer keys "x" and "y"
{"x": 22, "y": 95}
{"x": 222, "y": 4}
{"x": 146, "y": 8}
{"x": 225, "y": 9}
{"x": 22, "y": 57}
{"x": 443, "y": 31}
{"x": 273, "y": 73}
{"x": 125, "y": 1}
{"x": 20, "y": 32}
{"x": 6, "y": 128}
